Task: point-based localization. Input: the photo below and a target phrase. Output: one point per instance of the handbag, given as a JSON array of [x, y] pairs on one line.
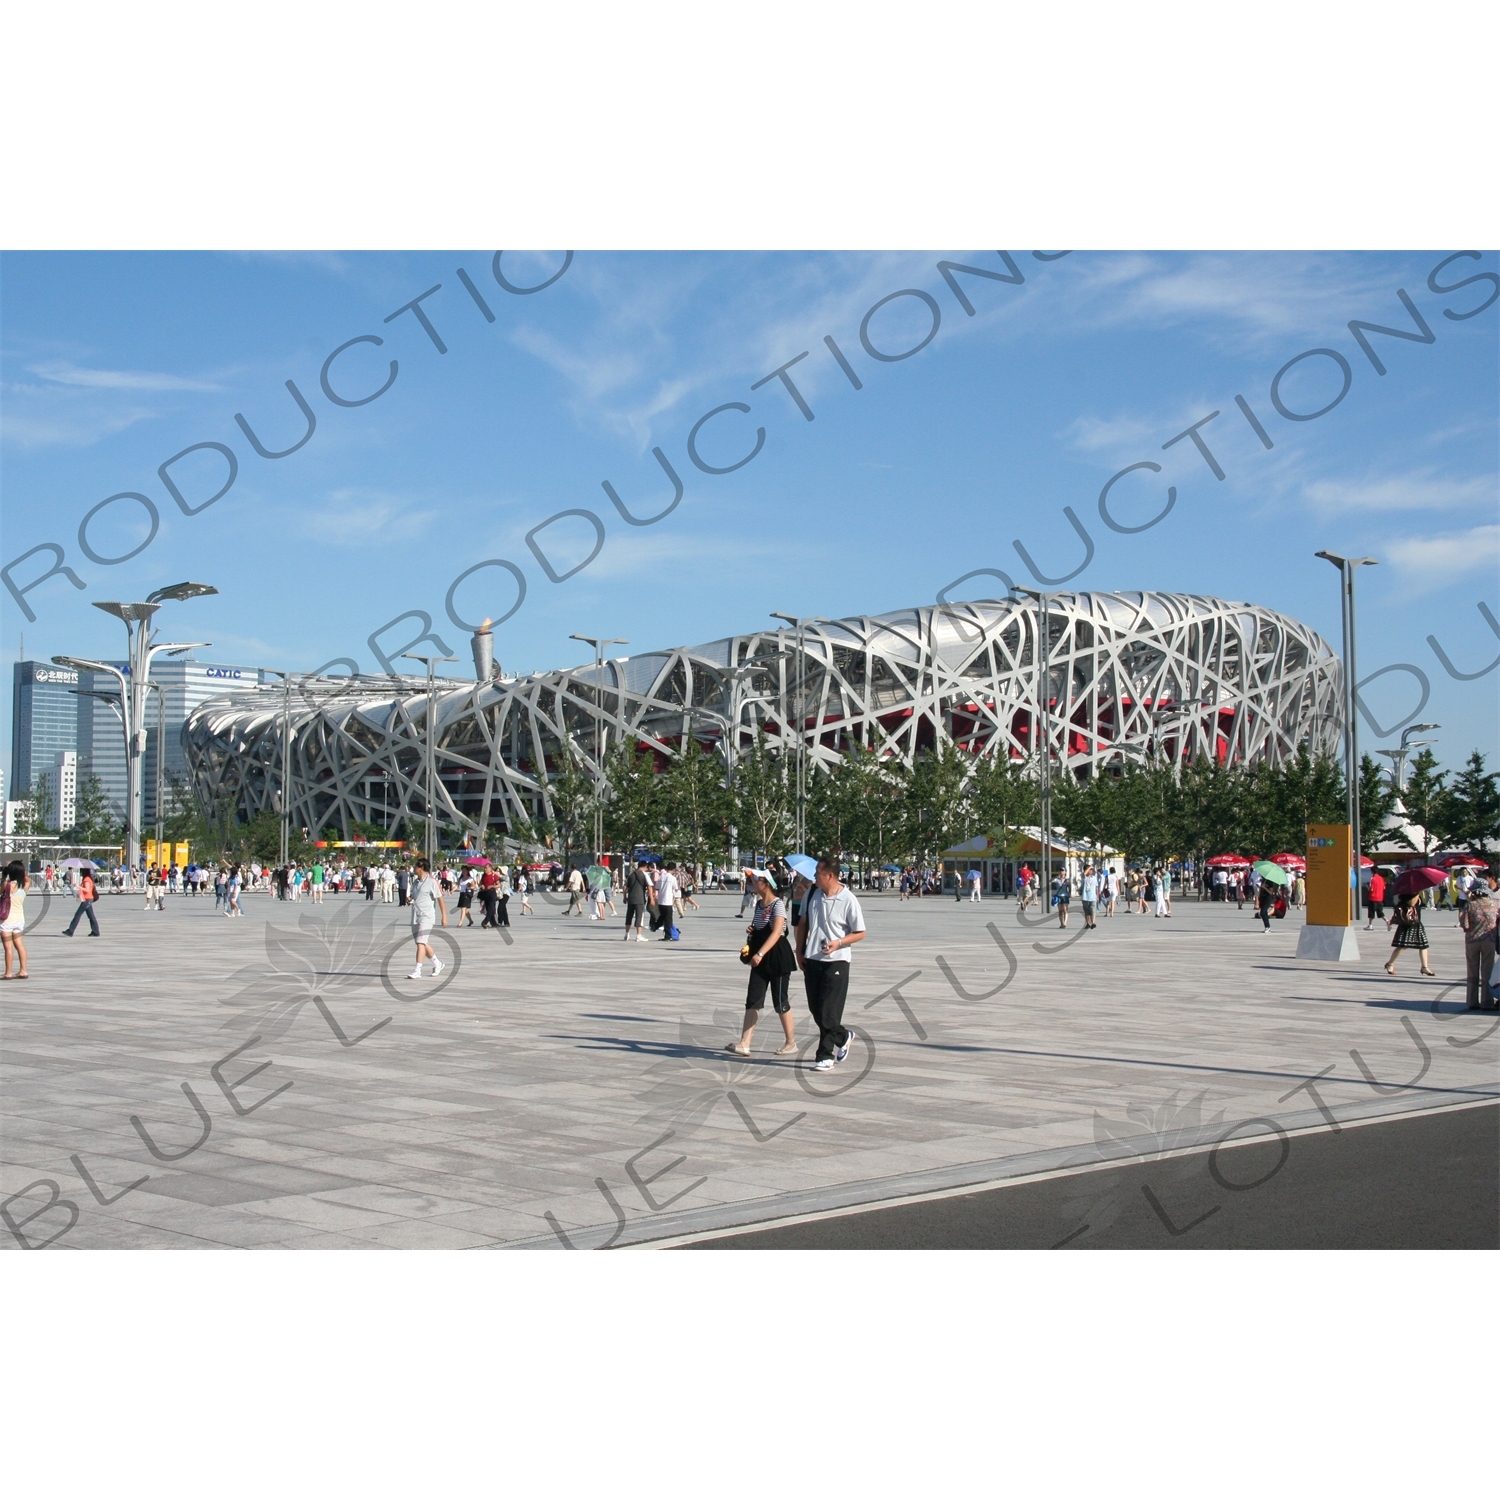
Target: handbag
[[5, 903]]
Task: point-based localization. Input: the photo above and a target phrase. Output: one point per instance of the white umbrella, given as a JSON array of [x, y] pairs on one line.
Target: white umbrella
[[79, 864]]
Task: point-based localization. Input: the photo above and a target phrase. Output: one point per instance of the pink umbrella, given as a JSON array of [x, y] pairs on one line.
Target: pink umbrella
[[477, 859], [1424, 877]]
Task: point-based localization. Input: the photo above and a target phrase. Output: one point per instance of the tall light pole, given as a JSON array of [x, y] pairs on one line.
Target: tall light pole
[[800, 624], [730, 725], [1346, 567], [1043, 659], [599, 643], [430, 662], [1399, 756], [143, 648]]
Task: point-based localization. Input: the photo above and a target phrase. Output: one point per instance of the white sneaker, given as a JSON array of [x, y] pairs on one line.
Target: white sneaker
[[437, 967], [842, 1052], [640, 937], [416, 973], [823, 1065]]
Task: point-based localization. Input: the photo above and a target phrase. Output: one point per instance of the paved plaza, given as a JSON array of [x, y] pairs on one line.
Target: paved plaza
[[193, 1081]]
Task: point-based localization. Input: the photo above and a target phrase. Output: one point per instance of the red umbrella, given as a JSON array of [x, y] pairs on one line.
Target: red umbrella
[[1290, 862], [1461, 862], [1423, 878], [1227, 862]]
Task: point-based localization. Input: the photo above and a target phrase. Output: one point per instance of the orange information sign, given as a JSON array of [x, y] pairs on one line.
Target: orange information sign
[[1329, 889]]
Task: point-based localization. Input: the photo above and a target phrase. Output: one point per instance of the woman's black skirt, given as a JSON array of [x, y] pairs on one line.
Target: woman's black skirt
[[1414, 936]]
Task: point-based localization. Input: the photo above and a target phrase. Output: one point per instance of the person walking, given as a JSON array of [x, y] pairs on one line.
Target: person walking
[[489, 897], [1088, 896], [318, 878], [1163, 892], [1478, 920], [426, 908], [747, 893], [1265, 899], [637, 899], [523, 887], [666, 904], [768, 952], [466, 899], [88, 893], [575, 892], [1410, 933], [1375, 898], [403, 885], [976, 881], [13, 883], [1060, 895], [232, 886], [830, 924]]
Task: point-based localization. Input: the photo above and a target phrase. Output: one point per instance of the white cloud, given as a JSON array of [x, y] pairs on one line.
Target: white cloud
[[364, 518], [1420, 490], [1429, 562], [64, 372]]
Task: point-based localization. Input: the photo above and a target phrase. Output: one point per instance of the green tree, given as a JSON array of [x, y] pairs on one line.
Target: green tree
[[632, 806], [1469, 814], [1002, 795], [1426, 791], [94, 820], [761, 799], [572, 792], [1377, 798], [695, 801], [937, 804]]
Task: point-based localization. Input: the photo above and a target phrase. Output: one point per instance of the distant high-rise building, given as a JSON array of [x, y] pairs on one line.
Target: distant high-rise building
[[184, 684], [62, 790], [44, 720]]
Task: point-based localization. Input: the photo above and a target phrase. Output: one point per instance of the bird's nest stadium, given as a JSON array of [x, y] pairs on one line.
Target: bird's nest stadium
[[1128, 676]]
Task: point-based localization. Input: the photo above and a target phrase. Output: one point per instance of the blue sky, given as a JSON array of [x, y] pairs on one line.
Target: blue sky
[[113, 363]]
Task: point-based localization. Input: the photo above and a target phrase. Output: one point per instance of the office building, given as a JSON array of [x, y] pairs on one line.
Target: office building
[[44, 720]]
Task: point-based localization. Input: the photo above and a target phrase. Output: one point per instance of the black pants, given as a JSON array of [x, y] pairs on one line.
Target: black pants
[[827, 989], [503, 907], [666, 916], [487, 899], [84, 906]]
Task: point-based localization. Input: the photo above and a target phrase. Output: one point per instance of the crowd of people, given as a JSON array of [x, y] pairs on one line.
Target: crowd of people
[[787, 909]]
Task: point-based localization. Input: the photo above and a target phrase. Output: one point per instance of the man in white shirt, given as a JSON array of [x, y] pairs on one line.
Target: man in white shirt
[[666, 908], [829, 925], [426, 907]]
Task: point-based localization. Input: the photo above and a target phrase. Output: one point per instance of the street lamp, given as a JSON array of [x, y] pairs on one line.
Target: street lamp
[[1346, 567], [599, 643], [1043, 658], [142, 648], [729, 725], [800, 624], [430, 662], [1398, 757]]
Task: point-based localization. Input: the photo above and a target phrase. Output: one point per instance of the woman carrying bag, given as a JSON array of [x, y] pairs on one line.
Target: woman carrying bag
[[768, 952], [1410, 933]]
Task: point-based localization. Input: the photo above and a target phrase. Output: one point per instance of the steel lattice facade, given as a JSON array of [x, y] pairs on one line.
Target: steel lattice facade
[[1130, 675]]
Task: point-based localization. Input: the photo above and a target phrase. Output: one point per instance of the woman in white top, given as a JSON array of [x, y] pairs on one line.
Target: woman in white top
[[771, 963], [13, 924]]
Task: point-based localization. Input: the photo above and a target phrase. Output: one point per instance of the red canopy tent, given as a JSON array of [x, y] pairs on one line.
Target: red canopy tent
[[1460, 862], [1227, 862]]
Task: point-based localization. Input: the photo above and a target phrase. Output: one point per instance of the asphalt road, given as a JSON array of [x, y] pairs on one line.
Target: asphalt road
[[1428, 1183]]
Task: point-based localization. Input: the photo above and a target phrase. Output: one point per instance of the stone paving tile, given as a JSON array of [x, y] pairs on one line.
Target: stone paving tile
[[422, 1234], [509, 1092]]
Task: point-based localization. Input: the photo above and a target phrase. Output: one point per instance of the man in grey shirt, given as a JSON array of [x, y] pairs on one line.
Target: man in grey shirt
[[427, 907], [830, 924]]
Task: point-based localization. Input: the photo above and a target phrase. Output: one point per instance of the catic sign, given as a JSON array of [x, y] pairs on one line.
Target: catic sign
[[1330, 891]]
